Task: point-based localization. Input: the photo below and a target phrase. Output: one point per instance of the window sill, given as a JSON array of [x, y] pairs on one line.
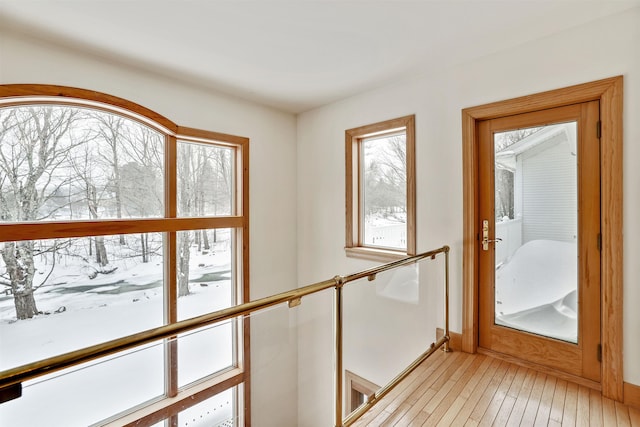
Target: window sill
[[372, 254]]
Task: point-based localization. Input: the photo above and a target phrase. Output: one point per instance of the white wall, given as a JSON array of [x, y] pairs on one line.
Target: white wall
[[272, 178], [605, 48]]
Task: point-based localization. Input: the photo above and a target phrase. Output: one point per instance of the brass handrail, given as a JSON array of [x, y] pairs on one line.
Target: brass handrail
[[87, 354], [11, 380], [15, 376]]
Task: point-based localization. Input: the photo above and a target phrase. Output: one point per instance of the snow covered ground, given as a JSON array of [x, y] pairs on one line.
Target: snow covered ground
[[110, 306], [389, 231], [536, 290]]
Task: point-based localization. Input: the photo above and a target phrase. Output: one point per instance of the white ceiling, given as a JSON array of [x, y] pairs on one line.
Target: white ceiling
[[297, 54]]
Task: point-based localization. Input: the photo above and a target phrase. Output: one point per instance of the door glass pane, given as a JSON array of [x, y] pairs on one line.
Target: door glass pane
[[536, 218]]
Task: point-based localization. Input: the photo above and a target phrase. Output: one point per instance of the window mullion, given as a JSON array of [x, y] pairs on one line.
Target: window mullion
[[171, 290]]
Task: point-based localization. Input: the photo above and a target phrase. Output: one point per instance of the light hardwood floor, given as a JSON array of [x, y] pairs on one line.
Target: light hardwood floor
[[461, 389]]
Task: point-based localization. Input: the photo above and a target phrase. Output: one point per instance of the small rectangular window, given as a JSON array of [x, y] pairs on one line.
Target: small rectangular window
[[380, 193]]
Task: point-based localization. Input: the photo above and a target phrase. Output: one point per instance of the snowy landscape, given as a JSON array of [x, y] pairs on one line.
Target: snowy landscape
[[67, 165], [536, 290], [126, 301]]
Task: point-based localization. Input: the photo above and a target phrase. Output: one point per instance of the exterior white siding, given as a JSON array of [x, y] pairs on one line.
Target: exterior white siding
[[549, 197]]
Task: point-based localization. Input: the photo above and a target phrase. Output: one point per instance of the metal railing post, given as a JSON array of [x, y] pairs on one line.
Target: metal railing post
[[446, 348], [338, 349]]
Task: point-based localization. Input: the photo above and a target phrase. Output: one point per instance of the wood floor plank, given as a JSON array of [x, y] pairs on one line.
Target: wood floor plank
[[428, 391], [489, 392], [468, 388], [474, 396], [468, 361], [622, 415], [570, 405], [461, 382], [634, 417], [583, 410], [499, 396], [449, 363], [452, 413], [544, 409], [517, 383], [396, 415], [510, 399], [609, 418], [523, 397], [595, 408], [433, 404], [379, 419], [530, 411], [557, 406], [419, 420], [451, 370], [474, 390], [502, 417], [417, 409]]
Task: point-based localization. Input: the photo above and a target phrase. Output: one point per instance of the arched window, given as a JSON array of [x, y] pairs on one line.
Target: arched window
[[114, 220]]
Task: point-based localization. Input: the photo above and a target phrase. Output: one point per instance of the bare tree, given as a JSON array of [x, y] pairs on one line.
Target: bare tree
[[221, 183], [386, 176], [204, 187], [141, 177], [34, 143], [113, 130], [187, 203], [84, 166]]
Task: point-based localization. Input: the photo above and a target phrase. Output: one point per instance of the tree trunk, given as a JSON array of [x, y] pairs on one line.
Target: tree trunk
[[101, 252], [183, 263], [92, 202], [18, 259], [145, 248], [205, 239], [113, 140], [199, 240], [25, 305]]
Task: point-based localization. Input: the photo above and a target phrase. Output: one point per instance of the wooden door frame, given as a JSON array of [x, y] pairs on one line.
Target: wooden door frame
[[610, 94]]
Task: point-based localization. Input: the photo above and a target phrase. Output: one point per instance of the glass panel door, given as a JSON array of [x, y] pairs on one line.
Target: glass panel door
[[539, 226]]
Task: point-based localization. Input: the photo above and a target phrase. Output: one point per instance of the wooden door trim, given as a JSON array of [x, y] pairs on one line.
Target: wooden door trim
[[609, 93]]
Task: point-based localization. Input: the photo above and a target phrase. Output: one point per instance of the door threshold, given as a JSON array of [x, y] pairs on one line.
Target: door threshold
[[541, 368]]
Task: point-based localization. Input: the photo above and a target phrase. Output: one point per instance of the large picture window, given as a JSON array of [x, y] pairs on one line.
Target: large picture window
[[380, 189], [113, 220]]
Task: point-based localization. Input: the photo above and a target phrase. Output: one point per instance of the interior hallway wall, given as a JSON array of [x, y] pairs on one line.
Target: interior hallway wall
[[601, 49]]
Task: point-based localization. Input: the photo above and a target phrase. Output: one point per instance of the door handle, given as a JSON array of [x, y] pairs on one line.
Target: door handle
[[485, 236]]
